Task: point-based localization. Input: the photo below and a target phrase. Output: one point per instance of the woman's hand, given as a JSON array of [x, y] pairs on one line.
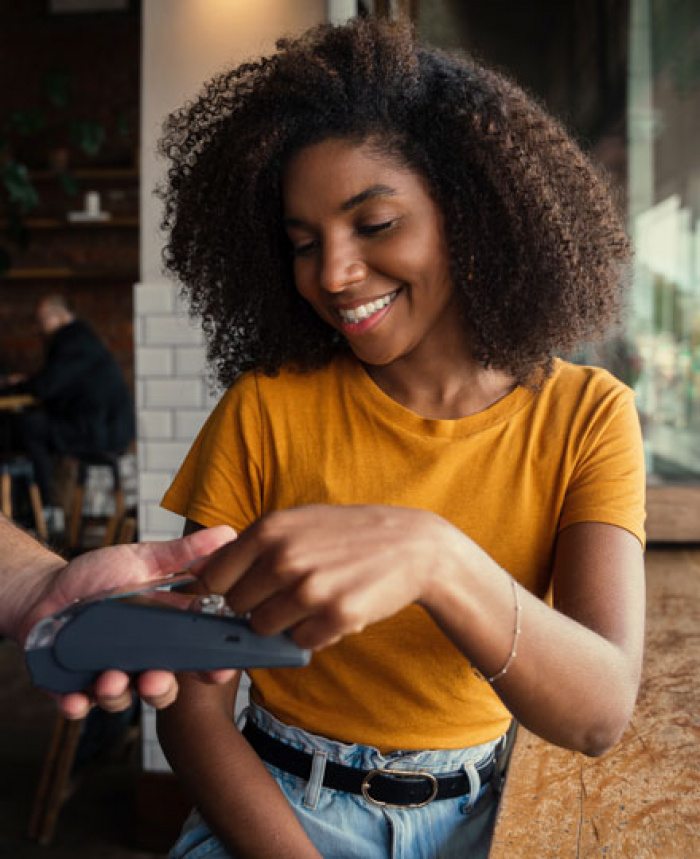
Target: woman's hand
[[326, 571]]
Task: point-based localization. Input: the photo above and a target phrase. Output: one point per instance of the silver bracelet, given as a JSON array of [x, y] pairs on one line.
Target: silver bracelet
[[516, 635]]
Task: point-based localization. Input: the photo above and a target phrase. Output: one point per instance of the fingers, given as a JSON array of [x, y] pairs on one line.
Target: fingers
[[112, 691], [171, 556], [226, 566], [270, 556], [157, 688], [74, 706]]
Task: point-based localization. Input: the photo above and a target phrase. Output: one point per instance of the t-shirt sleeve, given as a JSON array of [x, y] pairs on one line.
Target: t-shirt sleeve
[[220, 480], [608, 480]]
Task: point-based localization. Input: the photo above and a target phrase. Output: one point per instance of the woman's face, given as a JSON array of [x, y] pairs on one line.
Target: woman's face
[[370, 253]]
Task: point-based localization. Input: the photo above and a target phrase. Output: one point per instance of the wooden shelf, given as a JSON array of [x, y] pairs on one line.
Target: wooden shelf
[[119, 222], [96, 173], [69, 274]]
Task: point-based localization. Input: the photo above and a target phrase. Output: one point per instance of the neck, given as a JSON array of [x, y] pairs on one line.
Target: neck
[[466, 389]]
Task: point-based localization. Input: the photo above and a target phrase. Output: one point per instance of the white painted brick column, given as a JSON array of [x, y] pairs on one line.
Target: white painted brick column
[[172, 404], [172, 399], [184, 43]]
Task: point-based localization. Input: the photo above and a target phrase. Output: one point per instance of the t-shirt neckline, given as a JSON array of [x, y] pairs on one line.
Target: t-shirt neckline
[[378, 400]]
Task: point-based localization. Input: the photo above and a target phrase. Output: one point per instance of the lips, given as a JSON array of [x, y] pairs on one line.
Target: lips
[[362, 312]]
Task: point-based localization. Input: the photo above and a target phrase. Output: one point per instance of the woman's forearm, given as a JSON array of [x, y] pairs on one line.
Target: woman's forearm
[[569, 683], [226, 779]]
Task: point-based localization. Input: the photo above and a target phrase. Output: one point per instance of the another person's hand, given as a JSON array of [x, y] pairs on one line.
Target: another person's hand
[[113, 567]]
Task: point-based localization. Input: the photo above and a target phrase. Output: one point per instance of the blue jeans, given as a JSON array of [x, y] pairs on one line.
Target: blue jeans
[[347, 826]]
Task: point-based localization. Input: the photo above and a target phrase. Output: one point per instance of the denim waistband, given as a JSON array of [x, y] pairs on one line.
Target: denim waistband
[[368, 757]]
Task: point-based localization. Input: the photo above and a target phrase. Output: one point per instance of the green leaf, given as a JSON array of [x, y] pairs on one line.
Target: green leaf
[[18, 185], [68, 183], [56, 82], [88, 136], [28, 122]]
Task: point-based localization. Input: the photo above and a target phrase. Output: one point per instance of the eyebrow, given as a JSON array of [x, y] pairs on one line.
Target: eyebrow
[[367, 194], [352, 202]]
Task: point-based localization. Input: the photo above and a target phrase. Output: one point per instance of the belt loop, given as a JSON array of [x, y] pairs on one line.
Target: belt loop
[[242, 718], [313, 787], [474, 785]]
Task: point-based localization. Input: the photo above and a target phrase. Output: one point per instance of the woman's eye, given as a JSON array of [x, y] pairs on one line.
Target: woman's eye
[[371, 229], [303, 249]]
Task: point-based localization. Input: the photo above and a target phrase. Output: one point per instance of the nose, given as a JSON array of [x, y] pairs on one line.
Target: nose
[[341, 267]]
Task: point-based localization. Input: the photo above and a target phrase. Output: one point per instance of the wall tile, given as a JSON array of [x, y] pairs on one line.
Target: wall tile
[[155, 424], [151, 298], [170, 331], [162, 456], [182, 393], [189, 360], [152, 486], [154, 361], [188, 424], [158, 519]]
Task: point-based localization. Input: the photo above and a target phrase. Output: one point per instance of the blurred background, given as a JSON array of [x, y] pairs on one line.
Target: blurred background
[[84, 87]]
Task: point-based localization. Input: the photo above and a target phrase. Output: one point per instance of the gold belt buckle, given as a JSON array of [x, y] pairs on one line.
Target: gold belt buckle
[[366, 784]]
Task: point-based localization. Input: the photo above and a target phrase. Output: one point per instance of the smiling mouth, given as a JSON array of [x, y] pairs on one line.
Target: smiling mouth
[[354, 315]]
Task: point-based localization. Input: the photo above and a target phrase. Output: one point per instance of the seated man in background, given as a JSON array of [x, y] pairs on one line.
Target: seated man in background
[[87, 408]]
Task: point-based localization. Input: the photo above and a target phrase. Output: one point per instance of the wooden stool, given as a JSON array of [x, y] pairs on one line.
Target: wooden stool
[[75, 518], [20, 467], [55, 785], [57, 781]]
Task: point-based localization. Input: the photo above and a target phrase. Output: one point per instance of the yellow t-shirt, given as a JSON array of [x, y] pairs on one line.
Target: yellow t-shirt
[[510, 477]]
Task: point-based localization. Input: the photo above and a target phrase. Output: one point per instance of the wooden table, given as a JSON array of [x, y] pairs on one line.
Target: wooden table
[[642, 799], [17, 402]]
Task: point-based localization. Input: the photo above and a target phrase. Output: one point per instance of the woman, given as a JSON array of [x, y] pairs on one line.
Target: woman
[[387, 247]]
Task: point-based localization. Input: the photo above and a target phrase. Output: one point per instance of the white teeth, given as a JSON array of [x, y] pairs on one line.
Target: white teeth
[[356, 314]]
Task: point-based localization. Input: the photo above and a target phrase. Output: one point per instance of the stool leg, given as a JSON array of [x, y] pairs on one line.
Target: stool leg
[[6, 494], [127, 530], [55, 775], [76, 517], [38, 510], [113, 523]]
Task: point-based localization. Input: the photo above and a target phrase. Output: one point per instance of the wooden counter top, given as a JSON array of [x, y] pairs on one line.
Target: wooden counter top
[[642, 799], [17, 402]]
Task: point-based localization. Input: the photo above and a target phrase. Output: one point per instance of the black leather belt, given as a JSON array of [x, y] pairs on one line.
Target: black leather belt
[[406, 788]]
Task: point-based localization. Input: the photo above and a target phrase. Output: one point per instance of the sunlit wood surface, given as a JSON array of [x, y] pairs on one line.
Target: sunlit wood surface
[[642, 799], [16, 402]]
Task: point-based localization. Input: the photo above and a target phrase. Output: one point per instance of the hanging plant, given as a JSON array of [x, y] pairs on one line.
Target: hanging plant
[[18, 196]]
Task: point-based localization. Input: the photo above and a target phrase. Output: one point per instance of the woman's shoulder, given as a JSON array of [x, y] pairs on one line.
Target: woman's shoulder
[[578, 397], [576, 381], [292, 380], [289, 389]]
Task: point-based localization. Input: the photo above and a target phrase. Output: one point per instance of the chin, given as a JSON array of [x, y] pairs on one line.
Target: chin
[[366, 356]]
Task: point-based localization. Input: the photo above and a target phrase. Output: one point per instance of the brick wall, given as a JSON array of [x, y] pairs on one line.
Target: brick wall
[[100, 56], [171, 395], [184, 42], [173, 402], [107, 307]]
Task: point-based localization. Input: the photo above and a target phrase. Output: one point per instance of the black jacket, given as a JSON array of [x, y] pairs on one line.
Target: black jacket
[[84, 393]]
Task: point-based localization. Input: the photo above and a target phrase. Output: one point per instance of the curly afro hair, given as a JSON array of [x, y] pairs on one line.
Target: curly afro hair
[[537, 249]]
